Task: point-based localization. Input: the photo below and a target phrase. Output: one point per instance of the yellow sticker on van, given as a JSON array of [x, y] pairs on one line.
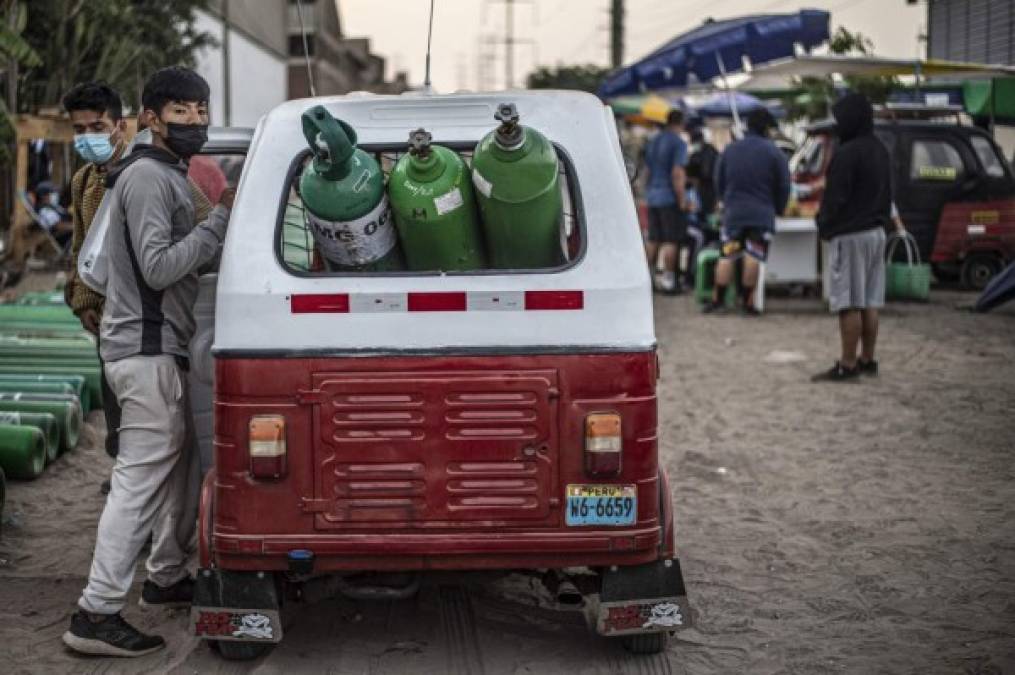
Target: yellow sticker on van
[[938, 173]]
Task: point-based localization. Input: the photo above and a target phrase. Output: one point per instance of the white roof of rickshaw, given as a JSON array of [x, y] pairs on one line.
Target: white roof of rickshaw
[[602, 302]]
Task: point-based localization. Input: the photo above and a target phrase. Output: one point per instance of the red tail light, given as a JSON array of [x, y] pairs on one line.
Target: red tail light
[[267, 446], [603, 444]]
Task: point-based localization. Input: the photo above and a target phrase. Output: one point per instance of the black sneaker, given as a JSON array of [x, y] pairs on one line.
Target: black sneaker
[[712, 307], [111, 636], [867, 367], [750, 311], [837, 373], [105, 488], [180, 594]]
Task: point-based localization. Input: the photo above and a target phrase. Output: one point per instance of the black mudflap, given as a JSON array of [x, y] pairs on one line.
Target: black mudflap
[[643, 599], [236, 606]]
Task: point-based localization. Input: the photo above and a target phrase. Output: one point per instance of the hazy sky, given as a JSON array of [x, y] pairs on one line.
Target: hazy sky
[[576, 31]]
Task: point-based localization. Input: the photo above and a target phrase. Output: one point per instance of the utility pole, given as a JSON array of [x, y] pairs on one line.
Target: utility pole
[[509, 46], [227, 95], [616, 33], [510, 40]]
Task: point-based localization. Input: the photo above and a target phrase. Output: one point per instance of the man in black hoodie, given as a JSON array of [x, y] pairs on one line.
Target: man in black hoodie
[[854, 212]]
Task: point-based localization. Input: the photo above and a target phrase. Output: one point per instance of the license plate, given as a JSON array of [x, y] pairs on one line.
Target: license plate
[[601, 505]]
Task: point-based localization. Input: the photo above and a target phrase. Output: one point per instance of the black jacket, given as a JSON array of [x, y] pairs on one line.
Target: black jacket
[[858, 188]]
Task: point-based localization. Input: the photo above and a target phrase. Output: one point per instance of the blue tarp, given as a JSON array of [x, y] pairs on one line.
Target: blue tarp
[[762, 38]]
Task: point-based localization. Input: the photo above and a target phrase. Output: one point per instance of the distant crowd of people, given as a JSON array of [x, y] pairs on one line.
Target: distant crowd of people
[[750, 184]]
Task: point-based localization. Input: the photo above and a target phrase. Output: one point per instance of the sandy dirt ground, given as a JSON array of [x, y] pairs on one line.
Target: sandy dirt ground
[[854, 528]]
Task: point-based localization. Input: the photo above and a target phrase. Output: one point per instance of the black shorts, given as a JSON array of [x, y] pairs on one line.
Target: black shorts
[[666, 225], [750, 240]]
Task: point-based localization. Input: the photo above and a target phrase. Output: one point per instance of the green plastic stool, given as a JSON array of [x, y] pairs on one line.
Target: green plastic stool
[[704, 278]]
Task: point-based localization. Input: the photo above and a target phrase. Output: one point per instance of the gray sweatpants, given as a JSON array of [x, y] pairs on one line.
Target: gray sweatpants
[[155, 483]]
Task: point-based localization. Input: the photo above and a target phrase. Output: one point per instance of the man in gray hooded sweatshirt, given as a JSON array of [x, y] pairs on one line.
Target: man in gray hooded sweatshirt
[[155, 250]]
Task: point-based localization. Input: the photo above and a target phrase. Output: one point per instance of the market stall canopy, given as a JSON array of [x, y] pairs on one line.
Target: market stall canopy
[[717, 48], [643, 109], [781, 74]]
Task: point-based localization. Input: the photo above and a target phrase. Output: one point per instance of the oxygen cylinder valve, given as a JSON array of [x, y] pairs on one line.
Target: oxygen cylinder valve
[[509, 134], [419, 143]]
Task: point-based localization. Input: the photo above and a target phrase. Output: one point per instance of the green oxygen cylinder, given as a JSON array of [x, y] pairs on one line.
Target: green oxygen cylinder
[[22, 451], [49, 388], [44, 422], [515, 173], [434, 208], [67, 414], [343, 191]]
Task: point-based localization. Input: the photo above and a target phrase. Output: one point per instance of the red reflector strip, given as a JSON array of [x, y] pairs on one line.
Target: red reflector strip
[[554, 300], [437, 302], [455, 301], [320, 303]]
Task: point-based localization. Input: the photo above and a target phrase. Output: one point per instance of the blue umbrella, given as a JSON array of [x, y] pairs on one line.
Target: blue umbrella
[[720, 105], [717, 48]]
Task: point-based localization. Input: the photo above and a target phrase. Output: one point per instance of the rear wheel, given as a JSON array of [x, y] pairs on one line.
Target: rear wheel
[[240, 651], [645, 643], [979, 269]]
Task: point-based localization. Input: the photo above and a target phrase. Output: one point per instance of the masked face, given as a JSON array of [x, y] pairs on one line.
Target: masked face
[[96, 135], [182, 126], [97, 148], [186, 140]]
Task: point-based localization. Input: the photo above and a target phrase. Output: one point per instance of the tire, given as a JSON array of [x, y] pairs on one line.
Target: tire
[[979, 269], [645, 643], [240, 651]]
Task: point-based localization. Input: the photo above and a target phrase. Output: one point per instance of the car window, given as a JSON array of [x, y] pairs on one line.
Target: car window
[[988, 156], [935, 160]]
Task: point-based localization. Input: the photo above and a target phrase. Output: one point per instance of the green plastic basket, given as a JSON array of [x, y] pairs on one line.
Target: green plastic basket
[[908, 280]]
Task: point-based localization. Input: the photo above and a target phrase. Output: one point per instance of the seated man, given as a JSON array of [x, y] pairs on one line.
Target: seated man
[[53, 217]]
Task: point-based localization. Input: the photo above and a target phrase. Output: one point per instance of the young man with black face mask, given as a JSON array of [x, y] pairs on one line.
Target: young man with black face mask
[[96, 114], [155, 250]]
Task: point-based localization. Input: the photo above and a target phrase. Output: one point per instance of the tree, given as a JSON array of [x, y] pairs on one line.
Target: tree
[[15, 51], [583, 77], [118, 41], [816, 94]]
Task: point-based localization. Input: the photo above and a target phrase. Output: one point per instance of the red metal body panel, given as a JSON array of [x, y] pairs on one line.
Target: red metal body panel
[[414, 462], [974, 227]]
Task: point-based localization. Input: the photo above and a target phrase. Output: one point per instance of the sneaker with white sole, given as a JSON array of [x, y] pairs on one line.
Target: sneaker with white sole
[[110, 635]]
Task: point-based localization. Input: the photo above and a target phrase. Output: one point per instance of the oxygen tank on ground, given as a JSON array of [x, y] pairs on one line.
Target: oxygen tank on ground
[[44, 422], [514, 171], [343, 192], [22, 451], [434, 208]]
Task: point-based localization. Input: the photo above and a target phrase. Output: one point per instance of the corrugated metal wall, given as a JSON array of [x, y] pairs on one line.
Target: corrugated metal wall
[[980, 31]]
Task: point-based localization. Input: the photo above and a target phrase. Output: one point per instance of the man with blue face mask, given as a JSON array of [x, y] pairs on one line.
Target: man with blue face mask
[[96, 113]]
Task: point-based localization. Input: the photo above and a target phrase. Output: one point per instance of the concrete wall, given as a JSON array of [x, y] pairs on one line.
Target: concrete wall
[[258, 75], [980, 31]]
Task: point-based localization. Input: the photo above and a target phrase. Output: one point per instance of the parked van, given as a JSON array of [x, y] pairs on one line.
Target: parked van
[[374, 425], [954, 191]]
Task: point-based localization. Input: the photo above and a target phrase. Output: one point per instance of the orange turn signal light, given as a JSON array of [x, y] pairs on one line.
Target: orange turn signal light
[[267, 446], [603, 444]]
